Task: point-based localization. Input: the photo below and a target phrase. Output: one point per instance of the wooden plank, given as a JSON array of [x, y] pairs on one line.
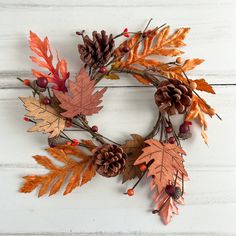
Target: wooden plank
[[211, 34], [100, 207], [8, 79], [107, 3], [126, 111]]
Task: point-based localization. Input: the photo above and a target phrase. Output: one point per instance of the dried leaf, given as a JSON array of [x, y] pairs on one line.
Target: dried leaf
[[176, 71], [158, 43], [89, 143], [133, 148], [202, 85], [79, 172], [166, 204], [168, 210], [166, 159], [42, 49], [190, 64], [112, 76], [81, 98], [196, 111], [47, 119]]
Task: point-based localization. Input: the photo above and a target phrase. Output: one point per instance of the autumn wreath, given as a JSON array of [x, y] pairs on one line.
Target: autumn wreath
[[59, 103]]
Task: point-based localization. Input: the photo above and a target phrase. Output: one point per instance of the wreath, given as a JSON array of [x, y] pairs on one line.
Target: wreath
[[59, 103]]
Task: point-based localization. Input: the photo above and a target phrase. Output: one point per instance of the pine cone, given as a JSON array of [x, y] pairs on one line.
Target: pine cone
[[172, 96], [55, 141], [97, 51], [109, 160]]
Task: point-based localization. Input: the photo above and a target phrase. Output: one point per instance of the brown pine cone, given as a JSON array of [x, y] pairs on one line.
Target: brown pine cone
[[109, 160], [56, 141], [97, 51], [172, 96]]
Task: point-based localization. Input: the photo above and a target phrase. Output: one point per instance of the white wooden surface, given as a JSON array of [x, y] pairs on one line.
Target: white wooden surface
[[100, 208]]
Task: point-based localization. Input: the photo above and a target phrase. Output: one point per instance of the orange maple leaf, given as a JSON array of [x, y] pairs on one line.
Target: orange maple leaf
[[165, 160], [81, 98], [79, 170], [57, 75]]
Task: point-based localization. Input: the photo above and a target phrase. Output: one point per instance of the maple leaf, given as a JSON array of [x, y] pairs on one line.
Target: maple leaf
[[57, 75], [47, 119], [158, 43], [166, 159], [167, 205], [133, 148], [168, 210], [81, 98], [78, 170]]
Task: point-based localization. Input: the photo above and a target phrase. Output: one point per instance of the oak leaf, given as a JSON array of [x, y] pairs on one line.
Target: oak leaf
[[133, 148], [80, 99], [79, 170], [196, 111], [176, 72], [165, 160], [57, 75], [156, 43], [47, 119], [202, 85]]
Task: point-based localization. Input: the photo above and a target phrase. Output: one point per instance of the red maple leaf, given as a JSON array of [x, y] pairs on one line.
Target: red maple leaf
[[57, 75], [81, 99]]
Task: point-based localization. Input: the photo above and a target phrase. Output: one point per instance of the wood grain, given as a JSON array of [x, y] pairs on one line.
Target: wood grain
[[212, 32]]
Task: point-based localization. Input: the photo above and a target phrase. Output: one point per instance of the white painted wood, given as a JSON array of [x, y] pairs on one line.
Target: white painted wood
[[210, 197], [126, 112], [100, 208], [212, 36]]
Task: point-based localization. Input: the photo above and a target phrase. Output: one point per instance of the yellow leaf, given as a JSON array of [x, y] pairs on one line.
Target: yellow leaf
[[112, 76]]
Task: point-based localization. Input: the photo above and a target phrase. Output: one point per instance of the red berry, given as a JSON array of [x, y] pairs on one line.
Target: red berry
[[46, 101], [125, 32], [26, 82], [102, 70], [145, 34], [171, 140], [26, 119], [184, 128], [169, 130], [75, 142], [42, 82], [188, 122], [126, 49], [170, 190], [94, 128], [68, 123], [143, 167], [130, 192]]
